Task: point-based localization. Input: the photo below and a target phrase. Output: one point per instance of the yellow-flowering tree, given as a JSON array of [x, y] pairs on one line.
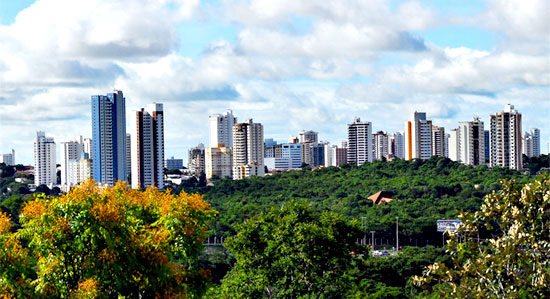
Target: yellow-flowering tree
[[96, 242], [513, 262]]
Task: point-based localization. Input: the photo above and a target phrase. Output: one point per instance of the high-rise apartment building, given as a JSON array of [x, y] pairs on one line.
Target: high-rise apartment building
[[129, 158], [380, 142], [505, 135], [339, 156], [44, 160], [248, 150], [308, 136], [307, 139], [218, 162], [453, 145], [359, 142], [396, 145], [471, 142], [221, 129], [531, 143], [487, 146], [71, 151], [148, 148], [8, 159], [283, 156], [418, 137], [196, 157], [87, 146], [317, 154], [329, 154], [439, 140], [109, 138]]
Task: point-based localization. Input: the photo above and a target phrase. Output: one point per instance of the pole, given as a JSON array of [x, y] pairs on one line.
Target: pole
[[443, 239], [372, 232], [397, 234]]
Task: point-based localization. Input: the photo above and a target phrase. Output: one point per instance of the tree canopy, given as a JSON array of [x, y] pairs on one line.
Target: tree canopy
[[106, 242], [292, 252], [506, 247]]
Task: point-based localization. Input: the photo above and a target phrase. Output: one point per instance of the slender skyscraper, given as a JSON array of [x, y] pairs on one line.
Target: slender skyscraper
[[380, 148], [439, 140], [71, 151], [248, 150], [44, 160], [531, 143], [359, 142], [396, 145], [471, 142], [418, 137], [505, 137], [148, 148], [109, 137], [221, 129]]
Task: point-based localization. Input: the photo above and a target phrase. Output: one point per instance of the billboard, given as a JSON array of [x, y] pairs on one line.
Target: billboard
[[451, 225]]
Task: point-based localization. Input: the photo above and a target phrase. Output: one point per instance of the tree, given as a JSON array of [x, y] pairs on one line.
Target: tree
[[110, 242], [291, 252], [514, 260]]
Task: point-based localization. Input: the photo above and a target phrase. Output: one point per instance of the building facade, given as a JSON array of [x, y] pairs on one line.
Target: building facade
[[173, 163], [71, 152], [8, 159], [196, 162], [109, 138], [218, 162], [453, 145], [221, 129], [248, 149], [359, 142], [148, 148], [418, 137], [283, 156], [45, 167], [531, 143], [439, 141], [396, 145], [380, 145], [471, 142], [506, 141]]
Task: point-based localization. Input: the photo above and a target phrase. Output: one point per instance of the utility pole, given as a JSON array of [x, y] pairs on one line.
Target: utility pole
[[397, 234]]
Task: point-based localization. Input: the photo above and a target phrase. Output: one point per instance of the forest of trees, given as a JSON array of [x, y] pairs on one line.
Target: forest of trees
[[290, 235]]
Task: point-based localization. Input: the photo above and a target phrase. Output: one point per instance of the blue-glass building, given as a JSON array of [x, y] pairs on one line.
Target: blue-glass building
[[109, 138]]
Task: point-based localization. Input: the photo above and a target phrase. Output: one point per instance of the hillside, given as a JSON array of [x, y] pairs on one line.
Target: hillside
[[424, 192]]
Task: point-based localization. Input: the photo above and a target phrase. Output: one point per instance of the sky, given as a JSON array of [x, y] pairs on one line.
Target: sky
[[288, 64]]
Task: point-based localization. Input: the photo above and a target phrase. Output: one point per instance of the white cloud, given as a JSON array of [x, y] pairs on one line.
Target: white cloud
[[59, 52]]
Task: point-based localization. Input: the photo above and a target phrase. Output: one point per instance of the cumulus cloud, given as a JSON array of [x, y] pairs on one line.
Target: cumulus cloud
[[293, 65]]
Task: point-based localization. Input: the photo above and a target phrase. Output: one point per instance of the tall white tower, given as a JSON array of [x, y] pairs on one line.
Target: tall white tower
[[505, 135], [359, 142], [221, 129], [44, 160]]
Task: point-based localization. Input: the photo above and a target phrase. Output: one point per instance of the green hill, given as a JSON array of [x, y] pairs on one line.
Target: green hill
[[424, 192]]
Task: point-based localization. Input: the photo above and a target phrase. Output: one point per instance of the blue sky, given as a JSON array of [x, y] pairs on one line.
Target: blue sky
[[291, 65]]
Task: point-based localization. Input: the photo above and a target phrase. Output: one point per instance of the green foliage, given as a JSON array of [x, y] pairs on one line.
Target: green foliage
[[506, 249], [106, 242], [424, 192], [535, 164], [292, 252]]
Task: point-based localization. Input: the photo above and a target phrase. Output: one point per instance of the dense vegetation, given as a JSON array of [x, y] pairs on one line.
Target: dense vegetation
[[105, 243], [424, 192], [512, 261]]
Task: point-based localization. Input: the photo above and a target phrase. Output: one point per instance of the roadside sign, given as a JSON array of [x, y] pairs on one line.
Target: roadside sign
[[450, 225]]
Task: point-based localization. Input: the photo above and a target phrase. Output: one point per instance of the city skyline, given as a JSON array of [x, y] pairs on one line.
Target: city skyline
[[290, 66]]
